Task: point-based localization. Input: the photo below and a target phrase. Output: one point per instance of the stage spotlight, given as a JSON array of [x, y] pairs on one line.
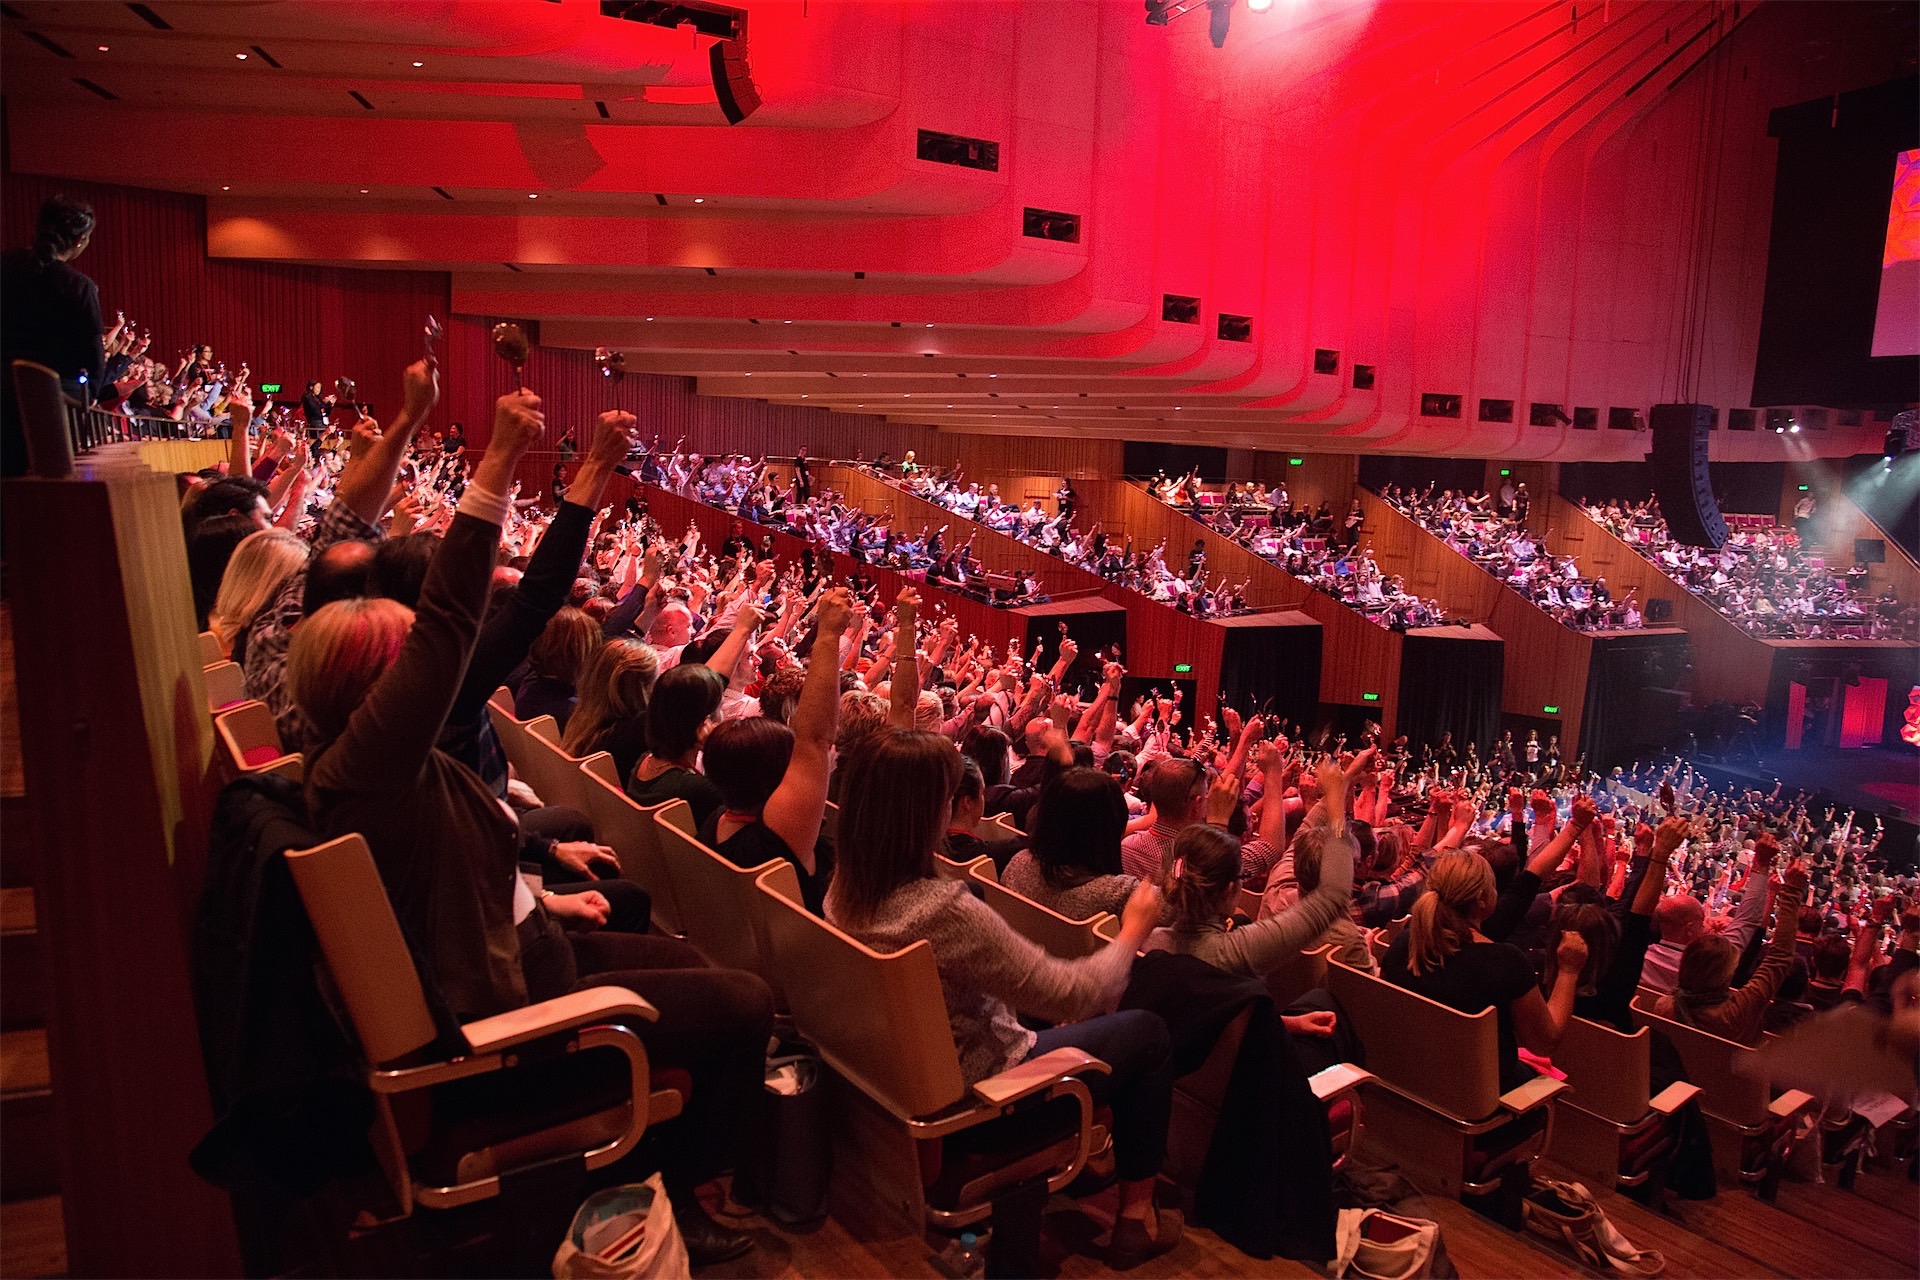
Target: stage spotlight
[[1259, 6]]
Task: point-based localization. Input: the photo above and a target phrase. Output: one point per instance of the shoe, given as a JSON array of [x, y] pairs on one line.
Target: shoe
[[707, 1241], [1132, 1245]]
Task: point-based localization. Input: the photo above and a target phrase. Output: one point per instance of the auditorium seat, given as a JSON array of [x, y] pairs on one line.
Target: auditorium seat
[[721, 911], [210, 649], [250, 742], [533, 748], [1753, 1132], [978, 868], [1611, 1126], [581, 1088], [226, 685], [1066, 938], [1439, 1110], [632, 832], [999, 827], [914, 1145]]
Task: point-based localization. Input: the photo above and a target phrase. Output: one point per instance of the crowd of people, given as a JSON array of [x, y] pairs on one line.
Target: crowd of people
[[406, 588], [1307, 542], [1491, 530], [1188, 587], [1766, 581]]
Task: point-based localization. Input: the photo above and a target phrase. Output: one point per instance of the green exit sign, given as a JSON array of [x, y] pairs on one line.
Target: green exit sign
[[1552, 711], [1506, 471], [273, 388], [1182, 668], [1296, 462], [1369, 697]]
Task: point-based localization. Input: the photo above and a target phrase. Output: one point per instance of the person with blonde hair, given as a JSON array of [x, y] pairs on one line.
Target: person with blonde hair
[[1445, 957], [611, 714], [261, 564], [557, 659]]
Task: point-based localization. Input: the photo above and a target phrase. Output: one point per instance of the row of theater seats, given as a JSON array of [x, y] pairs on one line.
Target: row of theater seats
[[909, 1137]]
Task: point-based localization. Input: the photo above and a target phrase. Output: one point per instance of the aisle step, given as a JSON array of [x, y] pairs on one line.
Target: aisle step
[[23, 973], [29, 1165]]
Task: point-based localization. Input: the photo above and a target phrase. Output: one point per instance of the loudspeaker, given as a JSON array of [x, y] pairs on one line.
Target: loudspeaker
[[1870, 550], [733, 80], [1680, 477], [1659, 609]]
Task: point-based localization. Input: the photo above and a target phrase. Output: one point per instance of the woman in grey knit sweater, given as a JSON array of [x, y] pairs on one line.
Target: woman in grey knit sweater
[[885, 892], [1206, 885]]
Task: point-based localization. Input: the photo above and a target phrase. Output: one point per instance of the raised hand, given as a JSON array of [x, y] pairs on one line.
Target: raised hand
[[1571, 954]]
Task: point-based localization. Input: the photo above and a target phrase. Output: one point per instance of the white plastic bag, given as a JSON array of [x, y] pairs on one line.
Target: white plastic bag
[[624, 1233]]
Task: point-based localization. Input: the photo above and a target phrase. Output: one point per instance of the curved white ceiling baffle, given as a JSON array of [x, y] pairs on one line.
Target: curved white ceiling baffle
[[1500, 200]]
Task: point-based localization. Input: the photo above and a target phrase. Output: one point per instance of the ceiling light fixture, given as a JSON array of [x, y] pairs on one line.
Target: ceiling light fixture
[[241, 56], [699, 199], [533, 195], [226, 188], [103, 48], [419, 64], [363, 191]]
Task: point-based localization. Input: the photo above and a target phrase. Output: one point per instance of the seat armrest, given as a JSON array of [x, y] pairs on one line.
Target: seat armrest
[[1534, 1093], [1673, 1097], [577, 1009], [1789, 1102], [1341, 1077], [1036, 1074]]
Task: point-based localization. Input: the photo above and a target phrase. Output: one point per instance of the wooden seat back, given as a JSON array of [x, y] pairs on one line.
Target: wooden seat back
[[250, 741], [42, 403], [722, 911], [1609, 1071], [1069, 939], [880, 1020], [1719, 1067], [364, 949], [533, 747], [633, 833], [1447, 1060], [980, 868], [210, 649], [226, 685], [999, 827], [1298, 974]]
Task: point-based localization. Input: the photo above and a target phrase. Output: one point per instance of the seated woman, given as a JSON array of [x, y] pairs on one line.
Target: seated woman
[[772, 779], [1705, 997], [1206, 888], [684, 708], [1073, 865], [260, 566], [611, 714], [556, 660], [886, 893], [375, 681], [1444, 956]]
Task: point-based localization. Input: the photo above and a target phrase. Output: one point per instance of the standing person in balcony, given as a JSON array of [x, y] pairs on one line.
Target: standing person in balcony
[[49, 314]]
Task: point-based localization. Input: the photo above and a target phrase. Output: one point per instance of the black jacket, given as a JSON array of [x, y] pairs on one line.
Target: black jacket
[[282, 1069], [1267, 1186]]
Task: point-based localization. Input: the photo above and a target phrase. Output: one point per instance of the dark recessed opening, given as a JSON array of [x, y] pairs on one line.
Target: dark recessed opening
[[1619, 419], [1496, 410], [1363, 377], [951, 148], [1438, 404], [1045, 224], [717, 20], [1179, 309], [1235, 328], [1325, 361], [1743, 419], [1546, 415], [1586, 419]]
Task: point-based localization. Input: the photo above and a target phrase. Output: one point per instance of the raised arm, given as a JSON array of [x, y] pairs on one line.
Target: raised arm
[[368, 480], [795, 808], [903, 692], [387, 739]]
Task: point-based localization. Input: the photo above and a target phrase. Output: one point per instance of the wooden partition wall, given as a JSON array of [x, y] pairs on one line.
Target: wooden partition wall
[[1357, 657], [1727, 662], [118, 749], [1159, 637]]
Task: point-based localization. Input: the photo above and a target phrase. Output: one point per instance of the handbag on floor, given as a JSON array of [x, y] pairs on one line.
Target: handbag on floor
[[624, 1233], [1567, 1212], [1374, 1245]]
